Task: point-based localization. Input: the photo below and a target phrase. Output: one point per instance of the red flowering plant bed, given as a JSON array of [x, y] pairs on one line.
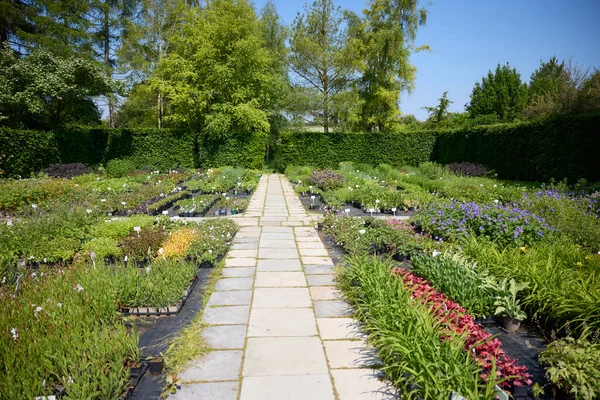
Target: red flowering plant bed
[[484, 348]]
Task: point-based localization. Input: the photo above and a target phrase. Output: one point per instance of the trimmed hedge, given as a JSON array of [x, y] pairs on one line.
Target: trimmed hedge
[[559, 147], [328, 150], [25, 152]]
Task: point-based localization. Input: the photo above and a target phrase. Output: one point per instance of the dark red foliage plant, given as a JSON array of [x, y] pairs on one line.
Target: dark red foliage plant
[[484, 348]]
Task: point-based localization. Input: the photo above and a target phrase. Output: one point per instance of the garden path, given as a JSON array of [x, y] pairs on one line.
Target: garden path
[[276, 323]]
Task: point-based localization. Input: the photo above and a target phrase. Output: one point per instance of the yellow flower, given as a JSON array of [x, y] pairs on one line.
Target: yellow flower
[[579, 264], [523, 248], [588, 257]]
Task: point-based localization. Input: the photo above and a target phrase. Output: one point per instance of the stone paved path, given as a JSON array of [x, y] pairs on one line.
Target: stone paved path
[[277, 326]]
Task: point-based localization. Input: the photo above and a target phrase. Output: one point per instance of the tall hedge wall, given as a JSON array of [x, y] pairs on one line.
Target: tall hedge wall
[[26, 152], [328, 150], [559, 147]]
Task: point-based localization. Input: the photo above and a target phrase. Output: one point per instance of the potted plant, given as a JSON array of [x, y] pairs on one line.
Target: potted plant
[[507, 304]]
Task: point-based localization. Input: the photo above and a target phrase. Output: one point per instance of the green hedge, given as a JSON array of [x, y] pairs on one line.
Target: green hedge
[[328, 150], [24, 152], [559, 147]]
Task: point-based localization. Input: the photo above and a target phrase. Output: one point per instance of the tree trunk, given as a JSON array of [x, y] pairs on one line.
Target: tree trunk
[[159, 110], [111, 104], [325, 103]]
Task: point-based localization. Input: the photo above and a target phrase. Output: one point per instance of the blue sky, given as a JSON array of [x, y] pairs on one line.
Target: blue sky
[[469, 37]]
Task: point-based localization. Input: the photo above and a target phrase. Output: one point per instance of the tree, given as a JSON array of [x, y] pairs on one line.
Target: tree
[[440, 112], [322, 56], [15, 18], [221, 77], [388, 32], [108, 20], [547, 79], [42, 90], [146, 41], [500, 93]]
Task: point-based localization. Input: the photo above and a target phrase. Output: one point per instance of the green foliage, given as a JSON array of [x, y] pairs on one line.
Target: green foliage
[[500, 93], [120, 228], [387, 34], [440, 112], [458, 280], [574, 366], [220, 77], [327, 151], [26, 152], [323, 56], [143, 245], [398, 325], [42, 91], [564, 279], [558, 147], [507, 304], [167, 201], [118, 168]]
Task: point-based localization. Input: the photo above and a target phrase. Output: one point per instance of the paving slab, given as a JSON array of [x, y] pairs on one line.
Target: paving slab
[[325, 293], [238, 272], [240, 262], [339, 329], [228, 315], [230, 298], [221, 365], [319, 269], [208, 391], [279, 253], [266, 265], [349, 354], [225, 336], [317, 260], [281, 298], [282, 244], [331, 308], [277, 236], [310, 245], [288, 387], [361, 384], [320, 280], [279, 279], [284, 356], [245, 246], [242, 253], [234, 284], [265, 322]]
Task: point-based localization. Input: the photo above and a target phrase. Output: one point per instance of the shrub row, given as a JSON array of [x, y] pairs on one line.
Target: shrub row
[[559, 147], [25, 152], [327, 150]]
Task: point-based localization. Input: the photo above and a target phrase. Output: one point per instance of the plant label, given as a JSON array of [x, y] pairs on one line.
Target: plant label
[[137, 228], [165, 212]]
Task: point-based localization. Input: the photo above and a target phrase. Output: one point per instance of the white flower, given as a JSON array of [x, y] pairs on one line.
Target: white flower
[[161, 251], [59, 305], [362, 231], [108, 189], [9, 223], [79, 288], [436, 253], [147, 270], [209, 251], [123, 203], [3, 280], [34, 205], [124, 185], [37, 310], [103, 200], [496, 201], [14, 333], [71, 380], [495, 185], [481, 184], [34, 274], [88, 211]]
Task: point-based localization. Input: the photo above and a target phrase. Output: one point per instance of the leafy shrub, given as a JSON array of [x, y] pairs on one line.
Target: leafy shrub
[[212, 240], [103, 247], [467, 169], [458, 280], [507, 225], [166, 201], [143, 246], [573, 365], [66, 170], [576, 217], [178, 242], [59, 249], [118, 168], [327, 179], [120, 228]]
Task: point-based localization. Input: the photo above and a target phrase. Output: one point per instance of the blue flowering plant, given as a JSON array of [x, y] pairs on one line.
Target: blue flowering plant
[[504, 224]]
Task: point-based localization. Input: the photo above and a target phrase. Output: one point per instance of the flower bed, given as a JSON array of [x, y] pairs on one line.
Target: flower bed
[[453, 318]]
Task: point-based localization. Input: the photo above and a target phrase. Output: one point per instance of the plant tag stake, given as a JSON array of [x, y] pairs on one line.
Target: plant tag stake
[[500, 393], [394, 211], [125, 260], [137, 229], [93, 257], [456, 396], [347, 210], [371, 210], [166, 212]]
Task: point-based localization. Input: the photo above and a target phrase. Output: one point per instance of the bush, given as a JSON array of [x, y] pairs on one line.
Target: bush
[[66, 170], [328, 150], [118, 168], [558, 147], [467, 169], [327, 179], [25, 152]]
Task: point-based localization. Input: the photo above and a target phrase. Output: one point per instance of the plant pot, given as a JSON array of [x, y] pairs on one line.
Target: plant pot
[[511, 324]]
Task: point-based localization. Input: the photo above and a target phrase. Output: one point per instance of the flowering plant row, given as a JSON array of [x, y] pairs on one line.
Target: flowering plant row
[[485, 349]]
